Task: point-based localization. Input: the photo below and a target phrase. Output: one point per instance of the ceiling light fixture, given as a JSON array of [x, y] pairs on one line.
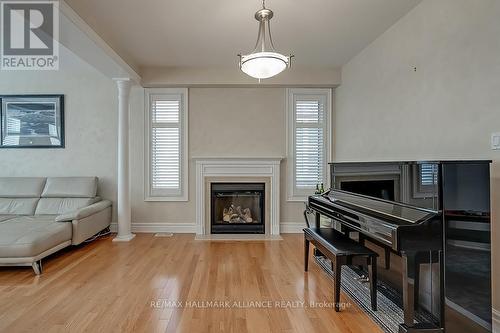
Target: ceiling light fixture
[[264, 62]]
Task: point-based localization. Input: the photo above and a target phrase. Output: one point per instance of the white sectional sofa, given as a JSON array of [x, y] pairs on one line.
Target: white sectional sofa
[[39, 216]]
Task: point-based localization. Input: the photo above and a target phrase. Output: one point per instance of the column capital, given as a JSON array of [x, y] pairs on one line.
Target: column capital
[[123, 81], [124, 84]]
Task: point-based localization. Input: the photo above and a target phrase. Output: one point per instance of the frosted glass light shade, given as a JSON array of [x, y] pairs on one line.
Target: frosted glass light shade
[[263, 65]]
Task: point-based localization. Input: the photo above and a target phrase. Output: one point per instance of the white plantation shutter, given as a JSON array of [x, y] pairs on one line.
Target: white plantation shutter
[[167, 160], [309, 143], [308, 140]]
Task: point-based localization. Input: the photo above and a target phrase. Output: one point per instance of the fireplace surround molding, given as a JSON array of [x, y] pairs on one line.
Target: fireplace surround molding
[[238, 169]]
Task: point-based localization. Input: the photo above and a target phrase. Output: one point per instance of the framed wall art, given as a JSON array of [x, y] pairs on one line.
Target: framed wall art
[[31, 121]]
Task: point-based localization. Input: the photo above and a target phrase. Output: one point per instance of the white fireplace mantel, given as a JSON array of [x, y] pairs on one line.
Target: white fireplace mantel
[[243, 167]]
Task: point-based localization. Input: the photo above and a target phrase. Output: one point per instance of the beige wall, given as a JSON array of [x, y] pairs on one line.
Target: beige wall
[[447, 108], [223, 122], [90, 124]]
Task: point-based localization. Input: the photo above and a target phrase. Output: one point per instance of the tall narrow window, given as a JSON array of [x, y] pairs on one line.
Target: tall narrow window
[[308, 112], [166, 141]]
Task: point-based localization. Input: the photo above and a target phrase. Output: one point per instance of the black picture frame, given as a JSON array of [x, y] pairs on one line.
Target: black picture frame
[[39, 121]]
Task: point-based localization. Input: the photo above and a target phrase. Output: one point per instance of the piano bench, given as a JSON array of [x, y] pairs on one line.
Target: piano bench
[[340, 249]]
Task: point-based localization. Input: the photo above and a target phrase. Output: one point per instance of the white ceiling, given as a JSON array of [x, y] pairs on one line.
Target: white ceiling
[[202, 33]]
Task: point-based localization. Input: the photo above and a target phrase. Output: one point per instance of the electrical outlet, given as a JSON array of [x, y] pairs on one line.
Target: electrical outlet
[[495, 141]]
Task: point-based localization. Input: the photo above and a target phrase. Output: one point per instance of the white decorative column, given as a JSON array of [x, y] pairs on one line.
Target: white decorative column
[[124, 210]]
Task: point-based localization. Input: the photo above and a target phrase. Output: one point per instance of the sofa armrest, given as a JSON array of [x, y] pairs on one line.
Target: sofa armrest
[[84, 212]]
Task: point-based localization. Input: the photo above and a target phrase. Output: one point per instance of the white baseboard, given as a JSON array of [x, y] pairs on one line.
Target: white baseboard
[[496, 320], [178, 228], [292, 227]]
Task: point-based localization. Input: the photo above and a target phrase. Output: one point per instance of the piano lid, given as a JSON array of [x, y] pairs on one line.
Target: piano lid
[[393, 211]]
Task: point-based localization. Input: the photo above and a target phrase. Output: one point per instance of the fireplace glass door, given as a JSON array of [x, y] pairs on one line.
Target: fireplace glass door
[[237, 208]]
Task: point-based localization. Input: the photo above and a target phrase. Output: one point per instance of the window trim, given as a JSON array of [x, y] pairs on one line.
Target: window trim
[[293, 195], [184, 160]]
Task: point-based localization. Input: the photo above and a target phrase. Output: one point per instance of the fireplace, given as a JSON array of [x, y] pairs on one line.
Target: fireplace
[[237, 208]]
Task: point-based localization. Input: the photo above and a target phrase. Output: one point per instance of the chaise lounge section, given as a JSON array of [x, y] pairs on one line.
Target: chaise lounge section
[[40, 216]]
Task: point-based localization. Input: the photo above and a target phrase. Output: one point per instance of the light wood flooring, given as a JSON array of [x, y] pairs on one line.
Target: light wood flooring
[[133, 287]]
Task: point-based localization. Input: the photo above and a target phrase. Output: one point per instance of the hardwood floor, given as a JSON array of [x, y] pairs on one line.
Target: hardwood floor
[[105, 286]]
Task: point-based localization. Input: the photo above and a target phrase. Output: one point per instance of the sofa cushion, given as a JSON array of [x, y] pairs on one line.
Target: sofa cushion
[[57, 206], [18, 206], [21, 187], [70, 187], [28, 236]]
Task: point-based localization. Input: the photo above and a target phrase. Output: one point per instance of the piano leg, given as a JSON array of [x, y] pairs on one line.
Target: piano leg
[[408, 290], [372, 274], [441, 288]]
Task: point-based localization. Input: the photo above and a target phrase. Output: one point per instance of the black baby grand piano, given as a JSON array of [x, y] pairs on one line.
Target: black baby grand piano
[[435, 216]]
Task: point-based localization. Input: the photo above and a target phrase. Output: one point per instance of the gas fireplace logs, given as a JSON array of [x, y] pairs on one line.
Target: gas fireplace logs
[[236, 215]]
